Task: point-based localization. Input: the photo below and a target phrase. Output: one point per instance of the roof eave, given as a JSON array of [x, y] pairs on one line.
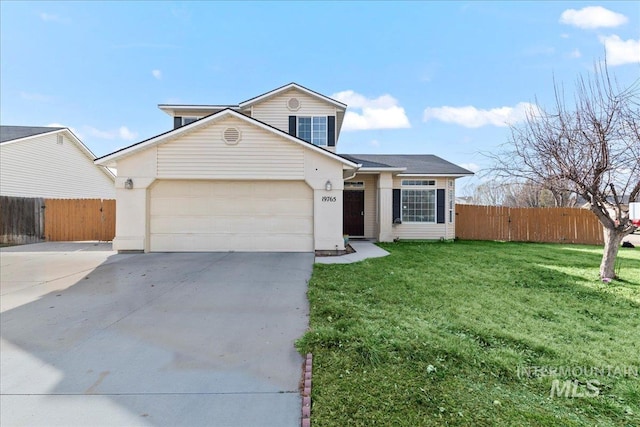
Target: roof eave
[[456, 175], [110, 159], [381, 169], [289, 86]]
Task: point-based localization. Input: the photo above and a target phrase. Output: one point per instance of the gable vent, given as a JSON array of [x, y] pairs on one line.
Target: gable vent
[[231, 136], [293, 104]]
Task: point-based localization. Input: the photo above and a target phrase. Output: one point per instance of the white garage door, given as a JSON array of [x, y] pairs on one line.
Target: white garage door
[[202, 216]]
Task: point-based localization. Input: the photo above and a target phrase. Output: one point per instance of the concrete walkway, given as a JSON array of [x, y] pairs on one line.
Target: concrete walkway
[[363, 250], [91, 337]]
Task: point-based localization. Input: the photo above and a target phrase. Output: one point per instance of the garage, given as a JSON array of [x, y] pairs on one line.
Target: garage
[[210, 216]]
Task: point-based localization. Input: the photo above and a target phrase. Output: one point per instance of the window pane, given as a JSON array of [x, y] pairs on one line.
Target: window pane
[[319, 135], [418, 205], [304, 128]]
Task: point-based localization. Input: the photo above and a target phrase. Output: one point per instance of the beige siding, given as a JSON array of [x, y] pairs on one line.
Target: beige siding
[[274, 111], [370, 203], [40, 167], [231, 215], [427, 231], [258, 155]]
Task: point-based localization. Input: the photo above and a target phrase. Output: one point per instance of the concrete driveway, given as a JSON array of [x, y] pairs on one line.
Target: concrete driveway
[[90, 337]]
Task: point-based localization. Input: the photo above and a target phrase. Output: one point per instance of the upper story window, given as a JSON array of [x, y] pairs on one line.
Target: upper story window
[[187, 120], [313, 129]]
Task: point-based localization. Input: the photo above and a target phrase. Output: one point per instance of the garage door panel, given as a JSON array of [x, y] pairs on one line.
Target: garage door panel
[[231, 215]]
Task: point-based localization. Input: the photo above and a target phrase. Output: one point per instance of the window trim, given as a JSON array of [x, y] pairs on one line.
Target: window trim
[[187, 120], [452, 198], [354, 185], [421, 189]]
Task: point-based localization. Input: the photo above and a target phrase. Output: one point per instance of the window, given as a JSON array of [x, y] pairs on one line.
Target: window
[[451, 200], [418, 205], [313, 129], [187, 120], [420, 182], [354, 185]]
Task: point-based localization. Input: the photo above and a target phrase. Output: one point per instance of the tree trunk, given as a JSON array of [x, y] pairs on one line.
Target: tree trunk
[[612, 240]]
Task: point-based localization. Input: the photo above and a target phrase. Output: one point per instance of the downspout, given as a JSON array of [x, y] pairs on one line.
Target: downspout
[[346, 178]]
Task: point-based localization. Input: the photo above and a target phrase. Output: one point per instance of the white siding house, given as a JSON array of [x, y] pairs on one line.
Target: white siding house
[[51, 163], [264, 175]]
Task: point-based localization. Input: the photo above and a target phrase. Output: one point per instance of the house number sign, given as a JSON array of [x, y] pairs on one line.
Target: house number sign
[[329, 199]]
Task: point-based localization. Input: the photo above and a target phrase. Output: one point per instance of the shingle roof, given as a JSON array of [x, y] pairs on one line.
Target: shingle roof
[[415, 163], [9, 133]]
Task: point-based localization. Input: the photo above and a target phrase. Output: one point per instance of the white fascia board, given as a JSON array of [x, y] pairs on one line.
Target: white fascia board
[[87, 152], [110, 159], [378, 170], [309, 92], [172, 109], [450, 175]]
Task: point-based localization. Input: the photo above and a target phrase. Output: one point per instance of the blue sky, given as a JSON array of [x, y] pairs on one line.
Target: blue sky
[[420, 77]]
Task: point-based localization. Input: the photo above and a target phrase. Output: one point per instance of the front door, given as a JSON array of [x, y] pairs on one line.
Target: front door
[[353, 213]]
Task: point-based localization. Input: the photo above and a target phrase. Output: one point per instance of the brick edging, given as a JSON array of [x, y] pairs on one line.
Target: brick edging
[[306, 392]]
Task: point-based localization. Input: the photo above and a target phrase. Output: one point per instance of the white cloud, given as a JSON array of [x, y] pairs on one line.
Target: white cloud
[[50, 17], [379, 113], [122, 133], [38, 97], [157, 74], [473, 117], [620, 51], [470, 166], [575, 53], [126, 134], [592, 17]]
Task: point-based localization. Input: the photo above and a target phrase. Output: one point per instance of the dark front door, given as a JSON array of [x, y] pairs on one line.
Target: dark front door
[[353, 213]]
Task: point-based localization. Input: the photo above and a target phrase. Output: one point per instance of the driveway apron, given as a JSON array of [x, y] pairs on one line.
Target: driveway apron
[[90, 337]]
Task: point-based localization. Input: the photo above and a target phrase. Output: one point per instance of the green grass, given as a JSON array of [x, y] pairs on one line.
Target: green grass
[[435, 334]]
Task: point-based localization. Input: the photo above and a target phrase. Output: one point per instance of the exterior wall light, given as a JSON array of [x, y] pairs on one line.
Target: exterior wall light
[[128, 184], [328, 186]]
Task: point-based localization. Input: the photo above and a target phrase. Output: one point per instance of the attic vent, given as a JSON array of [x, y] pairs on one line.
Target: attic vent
[[59, 139], [293, 104], [231, 136]]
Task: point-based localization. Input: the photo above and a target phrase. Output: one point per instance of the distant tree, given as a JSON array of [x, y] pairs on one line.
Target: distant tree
[[519, 194], [589, 146]]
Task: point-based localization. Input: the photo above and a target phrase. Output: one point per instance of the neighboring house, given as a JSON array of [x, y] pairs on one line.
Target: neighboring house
[[50, 162], [264, 175]]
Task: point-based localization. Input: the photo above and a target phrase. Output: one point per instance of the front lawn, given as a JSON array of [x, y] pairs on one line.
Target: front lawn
[[469, 333]]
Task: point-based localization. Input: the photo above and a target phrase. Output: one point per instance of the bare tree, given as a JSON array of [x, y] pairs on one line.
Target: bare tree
[[589, 146], [519, 194]]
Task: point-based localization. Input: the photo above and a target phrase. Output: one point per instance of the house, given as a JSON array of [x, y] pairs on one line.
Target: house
[[50, 162], [264, 175]]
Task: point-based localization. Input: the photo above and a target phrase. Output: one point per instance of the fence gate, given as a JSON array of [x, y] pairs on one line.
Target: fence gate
[[79, 219]]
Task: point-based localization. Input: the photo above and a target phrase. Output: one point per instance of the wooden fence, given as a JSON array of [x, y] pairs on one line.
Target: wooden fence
[[21, 220], [552, 225], [27, 220], [79, 219]]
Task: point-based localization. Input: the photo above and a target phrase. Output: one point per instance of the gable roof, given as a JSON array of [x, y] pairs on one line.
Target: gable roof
[[11, 133], [414, 164], [286, 87], [109, 159], [17, 134]]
